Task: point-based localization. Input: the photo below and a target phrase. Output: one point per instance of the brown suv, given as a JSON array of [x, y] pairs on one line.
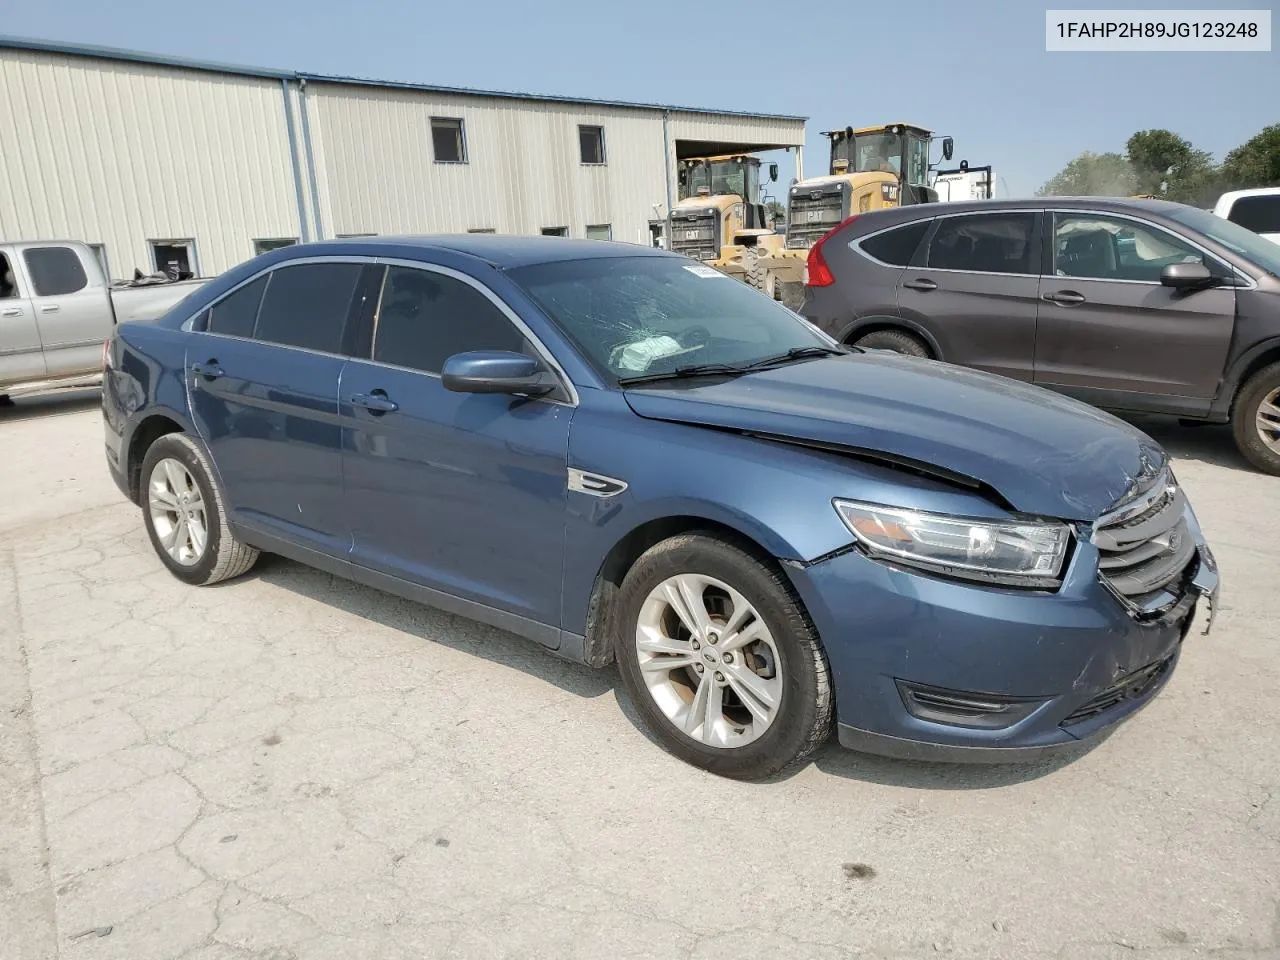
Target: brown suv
[[1131, 305]]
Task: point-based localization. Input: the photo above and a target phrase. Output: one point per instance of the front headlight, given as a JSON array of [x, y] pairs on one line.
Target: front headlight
[[1019, 553]]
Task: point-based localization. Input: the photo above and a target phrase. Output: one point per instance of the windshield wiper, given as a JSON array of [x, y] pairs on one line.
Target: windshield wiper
[[796, 353], [685, 373]]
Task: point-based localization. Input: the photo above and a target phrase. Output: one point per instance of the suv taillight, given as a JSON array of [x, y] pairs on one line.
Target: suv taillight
[[819, 272]]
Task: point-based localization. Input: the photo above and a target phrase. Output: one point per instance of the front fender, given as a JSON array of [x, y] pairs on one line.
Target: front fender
[[774, 494]]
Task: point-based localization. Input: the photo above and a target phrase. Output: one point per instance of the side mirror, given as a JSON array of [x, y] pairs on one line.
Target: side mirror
[[1186, 276], [773, 173], [948, 148], [496, 371]]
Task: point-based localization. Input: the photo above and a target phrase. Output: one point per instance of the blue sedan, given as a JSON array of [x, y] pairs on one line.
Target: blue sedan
[[629, 458]]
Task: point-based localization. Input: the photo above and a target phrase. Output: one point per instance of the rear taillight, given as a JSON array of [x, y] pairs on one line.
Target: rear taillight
[[819, 272]]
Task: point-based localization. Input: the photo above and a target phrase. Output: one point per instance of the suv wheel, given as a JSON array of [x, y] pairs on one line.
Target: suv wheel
[[185, 517], [1255, 419], [720, 658], [894, 340]]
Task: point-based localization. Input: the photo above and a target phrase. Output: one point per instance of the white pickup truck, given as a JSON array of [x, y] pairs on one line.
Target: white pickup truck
[[1257, 210], [57, 308]]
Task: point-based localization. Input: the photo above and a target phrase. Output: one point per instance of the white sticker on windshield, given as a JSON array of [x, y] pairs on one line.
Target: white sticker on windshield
[[699, 270]]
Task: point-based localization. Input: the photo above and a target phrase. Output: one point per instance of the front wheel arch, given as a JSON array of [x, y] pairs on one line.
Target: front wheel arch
[[865, 325], [597, 649]]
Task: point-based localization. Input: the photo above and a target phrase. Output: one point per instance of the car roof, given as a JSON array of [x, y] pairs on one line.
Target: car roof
[[497, 249], [877, 219], [1251, 192]]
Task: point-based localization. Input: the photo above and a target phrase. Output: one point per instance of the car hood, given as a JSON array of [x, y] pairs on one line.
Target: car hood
[[1044, 453]]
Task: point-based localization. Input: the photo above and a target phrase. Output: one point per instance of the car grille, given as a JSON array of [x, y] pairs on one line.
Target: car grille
[[1133, 687], [809, 218], [695, 235], [1146, 549]]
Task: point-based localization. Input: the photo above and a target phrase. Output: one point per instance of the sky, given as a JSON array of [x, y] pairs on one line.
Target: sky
[[974, 70]]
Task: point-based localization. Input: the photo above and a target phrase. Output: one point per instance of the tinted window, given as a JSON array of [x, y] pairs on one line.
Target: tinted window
[[307, 305], [984, 242], [1259, 214], [8, 282], [55, 271], [236, 315], [426, 317], [897, 246], [1096, 247]]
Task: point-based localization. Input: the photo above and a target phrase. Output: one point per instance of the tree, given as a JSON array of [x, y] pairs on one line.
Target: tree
[[1167, 165], [1093, 175], [1255, 163]]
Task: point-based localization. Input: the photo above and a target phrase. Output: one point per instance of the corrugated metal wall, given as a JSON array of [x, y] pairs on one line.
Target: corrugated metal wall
[[523, 172], [114, 151], [122, 153]]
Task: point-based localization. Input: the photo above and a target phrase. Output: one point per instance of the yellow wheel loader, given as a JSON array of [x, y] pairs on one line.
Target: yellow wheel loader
[[721, 219], [871, 168]]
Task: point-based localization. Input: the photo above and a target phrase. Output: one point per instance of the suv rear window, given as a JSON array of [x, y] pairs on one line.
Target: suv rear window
[[984, 243], [55, 271], [1260, 214], [306, 306], [897, 246]]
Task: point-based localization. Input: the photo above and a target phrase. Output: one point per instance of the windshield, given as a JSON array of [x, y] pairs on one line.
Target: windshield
[[1246, 243], [872, 152], [635, 316], [715, 178]]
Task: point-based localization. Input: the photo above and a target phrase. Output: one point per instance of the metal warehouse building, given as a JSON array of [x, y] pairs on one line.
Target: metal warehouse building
[[177, 165]]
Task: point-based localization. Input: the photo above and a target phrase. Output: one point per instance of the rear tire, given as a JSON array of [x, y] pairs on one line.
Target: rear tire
[[756, 706], [895, 340], [185, 517], [1255, 420]]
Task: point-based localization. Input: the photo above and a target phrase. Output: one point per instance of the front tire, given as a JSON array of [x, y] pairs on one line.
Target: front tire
[[720, 658], [895, 340], [759, 275], [1255, 420], [185, 517]]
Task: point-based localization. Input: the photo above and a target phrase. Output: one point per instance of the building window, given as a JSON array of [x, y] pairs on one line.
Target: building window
[[555, 231], [481, 230], [100, 252], [175, 258], [600, 231], [591, 141], [447, 140], [276, 243]]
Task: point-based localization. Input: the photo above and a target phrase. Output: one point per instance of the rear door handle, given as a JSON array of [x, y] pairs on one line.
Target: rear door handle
[[12, 312], [209, 370], [50, 308], [1064, 297], [376, 402], [924, 286]]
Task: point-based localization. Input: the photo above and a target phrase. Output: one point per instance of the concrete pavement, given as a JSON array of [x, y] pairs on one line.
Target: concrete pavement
[[291, 767]]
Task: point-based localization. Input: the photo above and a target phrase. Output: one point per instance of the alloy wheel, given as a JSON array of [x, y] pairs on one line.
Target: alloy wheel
[[177, 511]]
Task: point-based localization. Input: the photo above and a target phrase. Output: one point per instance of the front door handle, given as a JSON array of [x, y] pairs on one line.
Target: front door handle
[[11, 312], [209, 370], [1064, 297], [376, 402], [923, 285], [50, 308]]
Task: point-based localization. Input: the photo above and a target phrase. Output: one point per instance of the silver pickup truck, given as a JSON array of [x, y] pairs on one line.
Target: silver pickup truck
[[57, 308]]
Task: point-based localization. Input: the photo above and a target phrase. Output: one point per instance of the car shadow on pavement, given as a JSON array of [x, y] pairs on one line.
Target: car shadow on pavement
[[434, 626], [916, 775], [50, 403], [1207, 443]]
